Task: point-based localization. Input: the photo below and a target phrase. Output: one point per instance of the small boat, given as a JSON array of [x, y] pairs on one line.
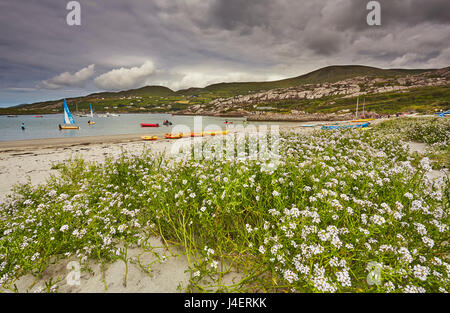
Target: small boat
[[443, 114], [346, 126], [167, 123], [149, 138], [68, 119], [363, 120], [68, 127], [39, 116], [12, 116], [173, 136], [91, 123], [228, 122], [311, 125], [149, 125], [219, 132]]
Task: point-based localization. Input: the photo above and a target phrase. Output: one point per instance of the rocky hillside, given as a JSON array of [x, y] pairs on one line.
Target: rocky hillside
[[360, 86], [327, 90]]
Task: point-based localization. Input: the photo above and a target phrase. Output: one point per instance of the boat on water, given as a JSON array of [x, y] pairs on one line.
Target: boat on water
[[149, 138], [91, 116], [12, 115], [69, 122], [310, 125], [331, 127], [149, 125], [39, 116]]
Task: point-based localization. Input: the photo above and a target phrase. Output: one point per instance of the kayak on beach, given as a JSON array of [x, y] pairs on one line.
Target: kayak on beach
[[173, 136], [220, 132], [346, 126], [363, 120], [149, 137]]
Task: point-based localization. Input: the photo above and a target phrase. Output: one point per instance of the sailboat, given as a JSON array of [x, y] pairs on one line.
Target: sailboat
[[92, 116], [68, 119]]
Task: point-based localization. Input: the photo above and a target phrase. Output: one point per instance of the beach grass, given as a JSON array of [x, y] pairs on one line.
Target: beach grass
[[341, 211]]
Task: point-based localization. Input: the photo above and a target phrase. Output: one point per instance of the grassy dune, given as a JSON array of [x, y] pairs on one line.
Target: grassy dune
[[341, 211]]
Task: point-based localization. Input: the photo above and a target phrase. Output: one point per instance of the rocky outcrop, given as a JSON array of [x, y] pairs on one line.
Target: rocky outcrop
[[348, 88]]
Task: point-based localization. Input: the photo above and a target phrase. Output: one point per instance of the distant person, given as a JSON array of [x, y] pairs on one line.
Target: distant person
[[22, 126], [59, 126]]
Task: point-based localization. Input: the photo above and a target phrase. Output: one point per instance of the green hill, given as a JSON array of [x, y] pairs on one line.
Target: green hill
[[155, 91], [163, 99], [329, 74]]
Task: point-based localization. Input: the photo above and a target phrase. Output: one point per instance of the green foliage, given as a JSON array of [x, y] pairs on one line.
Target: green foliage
[[335, 202]]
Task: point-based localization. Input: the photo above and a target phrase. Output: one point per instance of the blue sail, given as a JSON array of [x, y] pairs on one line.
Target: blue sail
[[68, 119], [92, 113]]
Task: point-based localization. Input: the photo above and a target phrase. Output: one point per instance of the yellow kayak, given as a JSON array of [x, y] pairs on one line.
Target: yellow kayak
[[363, 120], [149, 137], [173, 136], [220, 132]]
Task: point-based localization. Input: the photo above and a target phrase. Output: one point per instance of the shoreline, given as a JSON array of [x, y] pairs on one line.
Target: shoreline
[[41, 143], [27, 144]]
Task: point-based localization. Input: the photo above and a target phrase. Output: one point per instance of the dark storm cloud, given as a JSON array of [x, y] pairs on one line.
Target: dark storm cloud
[[240, 14], [197, 42]]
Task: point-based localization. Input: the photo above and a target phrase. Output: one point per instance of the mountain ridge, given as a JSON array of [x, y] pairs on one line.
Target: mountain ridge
[[164, 99]]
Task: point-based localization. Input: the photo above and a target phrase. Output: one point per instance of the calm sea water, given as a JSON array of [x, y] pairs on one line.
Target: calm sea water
[[47, 126]]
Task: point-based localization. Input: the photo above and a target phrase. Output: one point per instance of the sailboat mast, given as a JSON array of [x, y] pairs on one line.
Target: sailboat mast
[[364, 104], [357, 104]]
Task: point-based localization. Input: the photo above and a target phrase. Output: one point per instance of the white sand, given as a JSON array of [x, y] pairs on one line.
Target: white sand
[[33, 159]]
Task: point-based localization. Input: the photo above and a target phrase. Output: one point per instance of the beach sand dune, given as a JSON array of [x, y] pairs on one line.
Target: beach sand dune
[[32, 160]]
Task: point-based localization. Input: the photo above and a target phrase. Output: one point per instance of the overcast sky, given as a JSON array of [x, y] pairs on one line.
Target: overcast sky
[[124, 44]]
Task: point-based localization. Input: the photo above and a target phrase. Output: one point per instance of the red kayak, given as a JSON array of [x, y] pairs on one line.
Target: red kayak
[[149, 125]]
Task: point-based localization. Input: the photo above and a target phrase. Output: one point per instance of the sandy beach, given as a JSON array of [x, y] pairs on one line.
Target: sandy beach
[[144, 271], [21, 160], [32, 160]]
